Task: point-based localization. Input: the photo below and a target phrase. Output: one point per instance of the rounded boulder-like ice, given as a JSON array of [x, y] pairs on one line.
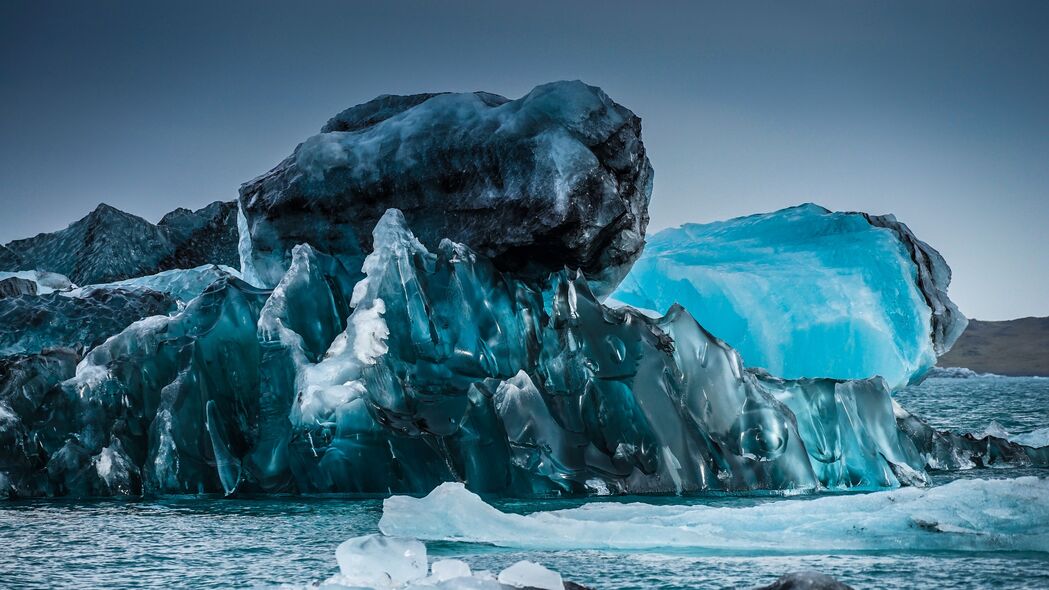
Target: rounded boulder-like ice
[[556, 178]]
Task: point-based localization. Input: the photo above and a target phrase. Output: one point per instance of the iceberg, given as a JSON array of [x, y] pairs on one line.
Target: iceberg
[[557, 177], [427, 367], [485, 379], [462, 337], [963, 515], [806, 292]]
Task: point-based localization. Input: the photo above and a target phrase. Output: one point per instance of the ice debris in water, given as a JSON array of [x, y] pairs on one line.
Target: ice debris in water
[[1035, 438], [386, 563], [957, 373], [806, 292], [436, 366], [526, 574], [806, 581], [945, 450], [963, 515], [380, 561]]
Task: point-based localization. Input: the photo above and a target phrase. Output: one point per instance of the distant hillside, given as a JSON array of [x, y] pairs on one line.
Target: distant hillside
[[1013, 347]]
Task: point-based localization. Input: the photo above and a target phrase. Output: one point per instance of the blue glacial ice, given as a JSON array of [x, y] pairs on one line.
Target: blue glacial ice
[[806, 292], [461, 337], [426, 367], [964, 515]]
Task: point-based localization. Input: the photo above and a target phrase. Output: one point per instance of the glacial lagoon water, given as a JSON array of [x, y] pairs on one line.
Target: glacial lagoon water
[[209, 542]]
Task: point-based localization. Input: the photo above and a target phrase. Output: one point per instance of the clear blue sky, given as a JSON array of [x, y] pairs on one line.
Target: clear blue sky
[[934, 111]]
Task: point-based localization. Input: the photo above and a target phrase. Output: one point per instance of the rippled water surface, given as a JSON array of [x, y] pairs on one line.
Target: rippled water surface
[[264, 542], [1020, 404]]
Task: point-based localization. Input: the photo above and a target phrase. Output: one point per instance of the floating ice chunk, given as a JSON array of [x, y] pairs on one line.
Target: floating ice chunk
[[448, 569], [377, 561], [385, 563], [967, 515], [1036, 438], [956, 373], [805, 581], [526, 574]]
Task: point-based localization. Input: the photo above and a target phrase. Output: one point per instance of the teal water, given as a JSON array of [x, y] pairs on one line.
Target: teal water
[[1020, 404], [197, 542]]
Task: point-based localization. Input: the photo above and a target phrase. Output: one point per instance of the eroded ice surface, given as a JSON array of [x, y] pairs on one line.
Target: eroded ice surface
[[969, 515], [435, 367], [805, 292], [558, 177]]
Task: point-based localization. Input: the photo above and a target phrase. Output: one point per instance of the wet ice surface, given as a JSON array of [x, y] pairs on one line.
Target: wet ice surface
[[215, 543]]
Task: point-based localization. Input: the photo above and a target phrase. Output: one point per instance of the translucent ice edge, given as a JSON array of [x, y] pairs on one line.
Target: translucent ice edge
[[964, 515], [184, 284]]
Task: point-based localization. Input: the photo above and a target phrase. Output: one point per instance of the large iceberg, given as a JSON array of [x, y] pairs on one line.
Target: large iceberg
[[806, 292], [558, 177], [435, 367], [371, 350]]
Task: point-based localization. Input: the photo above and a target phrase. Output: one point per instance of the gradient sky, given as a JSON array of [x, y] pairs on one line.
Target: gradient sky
[[935, 111]]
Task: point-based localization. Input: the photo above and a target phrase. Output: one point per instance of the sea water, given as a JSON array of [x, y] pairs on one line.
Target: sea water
[[207, 542]]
